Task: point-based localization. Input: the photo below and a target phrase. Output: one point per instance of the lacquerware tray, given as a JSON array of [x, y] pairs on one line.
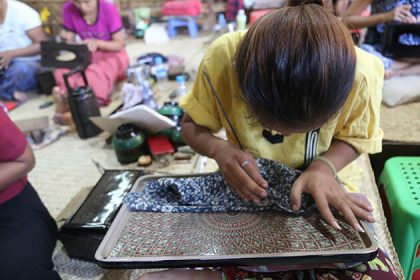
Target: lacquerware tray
[[152, 240]]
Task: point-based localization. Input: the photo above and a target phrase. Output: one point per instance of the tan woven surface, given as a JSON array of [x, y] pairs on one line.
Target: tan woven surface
[[401, 123], [369, 188]]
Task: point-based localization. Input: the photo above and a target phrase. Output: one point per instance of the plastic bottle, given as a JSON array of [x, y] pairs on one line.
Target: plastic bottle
[[241, 20], [221, 25], [161, 73], [182, 88], [137, 89]]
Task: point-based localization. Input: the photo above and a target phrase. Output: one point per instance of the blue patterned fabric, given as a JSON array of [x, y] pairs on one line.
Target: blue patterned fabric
[[20, 76], [382, 6], [388, 62], [211, 193]]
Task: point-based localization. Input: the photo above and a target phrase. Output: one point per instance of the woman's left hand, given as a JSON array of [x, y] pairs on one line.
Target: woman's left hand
[[319, 182], [92, 44], [5, 59]]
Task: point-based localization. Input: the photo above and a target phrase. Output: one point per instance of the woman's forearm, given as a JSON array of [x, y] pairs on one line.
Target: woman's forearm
[[339, 154], [356, 21], [37, 35], [30, 50], [200, 138], [116, 44], [113, 45]]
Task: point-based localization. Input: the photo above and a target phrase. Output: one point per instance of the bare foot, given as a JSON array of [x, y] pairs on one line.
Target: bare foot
[[391, 74], [62, 114], [20, 96], [60, 100], [63, 118]]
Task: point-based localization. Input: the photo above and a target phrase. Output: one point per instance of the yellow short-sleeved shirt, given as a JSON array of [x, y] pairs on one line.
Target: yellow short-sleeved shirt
[[357, 124]]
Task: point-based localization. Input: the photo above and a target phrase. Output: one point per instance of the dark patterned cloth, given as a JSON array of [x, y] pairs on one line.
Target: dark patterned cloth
[[233, 6], [380, 268], [211, 193]]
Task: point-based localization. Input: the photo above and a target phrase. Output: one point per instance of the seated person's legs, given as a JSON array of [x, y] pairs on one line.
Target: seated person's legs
[[106, 40], [62, 114], [27, 238], [104, 71], [401, 68], [18, 78]]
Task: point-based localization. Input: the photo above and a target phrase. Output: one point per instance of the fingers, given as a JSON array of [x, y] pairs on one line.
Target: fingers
[[361, 213], [91, 47], [403, 14], [361, 207], [296, 194], [347, 211], [361, 201], [251, 169], [3, 62], [323, 207], [237, 187], [241, 172], [90, 44], [343, 206], [242, 183], [328, 194]]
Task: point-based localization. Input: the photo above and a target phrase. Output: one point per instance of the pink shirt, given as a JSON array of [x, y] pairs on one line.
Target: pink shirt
[[108, 21], [12, 146]]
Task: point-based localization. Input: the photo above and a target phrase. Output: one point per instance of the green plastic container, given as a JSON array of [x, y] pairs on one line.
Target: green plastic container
[[174, 112], [401, 182], [129, 143]]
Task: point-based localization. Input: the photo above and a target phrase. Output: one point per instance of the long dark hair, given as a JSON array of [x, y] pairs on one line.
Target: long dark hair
[[296, 66]]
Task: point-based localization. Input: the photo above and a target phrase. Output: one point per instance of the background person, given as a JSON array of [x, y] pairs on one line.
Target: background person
[[28, 233], [98, 24], [382, 12], [20, 36]]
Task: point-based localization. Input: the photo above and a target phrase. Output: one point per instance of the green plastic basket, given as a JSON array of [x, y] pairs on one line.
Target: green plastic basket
[[401, 182]]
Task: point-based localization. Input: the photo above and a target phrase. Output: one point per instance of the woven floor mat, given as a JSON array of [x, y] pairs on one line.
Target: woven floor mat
[[401, 123], [72, 269]]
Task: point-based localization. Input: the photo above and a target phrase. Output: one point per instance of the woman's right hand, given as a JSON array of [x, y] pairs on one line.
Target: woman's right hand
[[5, 59], [240, 170], [92, 44], [401, 14], [67, 36]]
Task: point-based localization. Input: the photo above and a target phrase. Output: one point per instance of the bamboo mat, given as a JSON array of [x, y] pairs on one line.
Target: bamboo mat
[[401, 123]]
